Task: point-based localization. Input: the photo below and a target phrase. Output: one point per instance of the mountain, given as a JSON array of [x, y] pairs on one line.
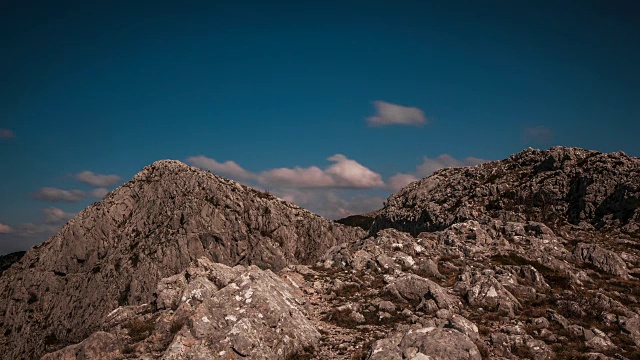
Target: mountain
[[114, 252], [533, 257]]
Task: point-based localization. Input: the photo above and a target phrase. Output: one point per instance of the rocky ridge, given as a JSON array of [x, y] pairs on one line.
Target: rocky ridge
[[469, 263], [560, 186]]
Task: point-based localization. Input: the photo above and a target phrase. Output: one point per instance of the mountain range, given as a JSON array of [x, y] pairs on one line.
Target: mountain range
[[535, 256]]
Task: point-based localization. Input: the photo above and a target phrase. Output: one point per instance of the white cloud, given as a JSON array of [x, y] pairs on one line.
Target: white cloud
[[393, 114], [99, 193], [54, 215], [7, 134], [538, 134], [55, 194], [5, 229], [228, 168], [26, 235], [429, 165], [97, 180], [344, 173], [350, 173], [398, 181]]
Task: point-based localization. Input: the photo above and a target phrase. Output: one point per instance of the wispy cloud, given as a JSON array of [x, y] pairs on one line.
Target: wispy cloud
[[98, 180], [7, 134], [54, 215], [5, 229], [398, 181], [99, 193], [393, 114], [228, 168], [26, 235], [430, 165], [344, 173], [55, 194], [538, 134]]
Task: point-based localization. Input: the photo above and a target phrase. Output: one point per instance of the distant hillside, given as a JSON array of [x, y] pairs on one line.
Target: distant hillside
[[7, 260]]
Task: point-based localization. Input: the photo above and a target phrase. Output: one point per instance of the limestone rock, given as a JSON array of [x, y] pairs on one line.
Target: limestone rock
[[416, 289]]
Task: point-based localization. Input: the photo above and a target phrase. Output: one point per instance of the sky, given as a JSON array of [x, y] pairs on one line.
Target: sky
[[331, 105]]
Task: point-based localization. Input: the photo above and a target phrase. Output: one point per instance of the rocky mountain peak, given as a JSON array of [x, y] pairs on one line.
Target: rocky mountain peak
[[115, 251], [561, 186], [161, 167]]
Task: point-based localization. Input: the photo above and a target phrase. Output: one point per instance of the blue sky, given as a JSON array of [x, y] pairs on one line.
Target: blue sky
[[323, 103]]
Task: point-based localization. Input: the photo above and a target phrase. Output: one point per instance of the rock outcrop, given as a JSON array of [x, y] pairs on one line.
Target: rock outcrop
[[209, 311], [114, 252]]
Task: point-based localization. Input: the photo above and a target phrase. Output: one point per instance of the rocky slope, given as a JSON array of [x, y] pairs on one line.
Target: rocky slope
[[115, 252], [533, 257], [207, 311]]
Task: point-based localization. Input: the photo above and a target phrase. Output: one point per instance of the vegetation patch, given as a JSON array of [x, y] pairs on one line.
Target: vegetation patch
[[140, 329]]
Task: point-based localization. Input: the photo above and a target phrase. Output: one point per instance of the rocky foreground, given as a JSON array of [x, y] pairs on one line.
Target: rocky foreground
[[536, 256]]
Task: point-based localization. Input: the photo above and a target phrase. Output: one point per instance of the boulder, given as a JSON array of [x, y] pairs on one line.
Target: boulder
[[416, 289]]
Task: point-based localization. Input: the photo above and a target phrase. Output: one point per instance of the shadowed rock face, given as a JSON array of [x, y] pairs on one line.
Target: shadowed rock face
[[114, 252], [559, 186]]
